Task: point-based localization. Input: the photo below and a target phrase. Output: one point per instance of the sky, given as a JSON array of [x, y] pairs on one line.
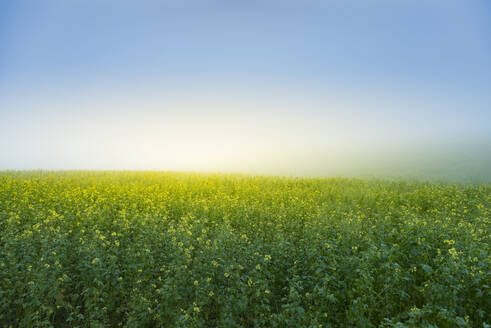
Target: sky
[[304, 87]]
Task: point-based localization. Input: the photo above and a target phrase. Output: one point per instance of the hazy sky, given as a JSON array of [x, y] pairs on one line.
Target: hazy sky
[[254, 86]]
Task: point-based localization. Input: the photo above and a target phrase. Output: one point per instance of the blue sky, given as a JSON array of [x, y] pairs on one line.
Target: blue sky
[[205, 85]]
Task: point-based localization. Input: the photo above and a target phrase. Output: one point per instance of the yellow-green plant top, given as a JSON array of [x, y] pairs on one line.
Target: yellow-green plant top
[[153, 249]]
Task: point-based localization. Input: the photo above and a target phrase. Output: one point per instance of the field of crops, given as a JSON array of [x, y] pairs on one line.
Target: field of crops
[[108, 249]]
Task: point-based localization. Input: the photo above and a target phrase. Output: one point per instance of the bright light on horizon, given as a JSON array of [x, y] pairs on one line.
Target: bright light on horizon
[[290, 88]]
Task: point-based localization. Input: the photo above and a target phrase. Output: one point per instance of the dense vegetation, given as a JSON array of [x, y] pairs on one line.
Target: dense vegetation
[[188, 250]]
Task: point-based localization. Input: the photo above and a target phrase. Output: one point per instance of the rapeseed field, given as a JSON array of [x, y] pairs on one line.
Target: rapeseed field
[[156, 249]]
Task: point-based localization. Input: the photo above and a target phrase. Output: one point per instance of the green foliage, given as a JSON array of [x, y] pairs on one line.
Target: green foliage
[[104, 249]]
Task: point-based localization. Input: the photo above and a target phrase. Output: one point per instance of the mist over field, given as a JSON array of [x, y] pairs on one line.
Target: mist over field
[[297, 138], [276, 133]]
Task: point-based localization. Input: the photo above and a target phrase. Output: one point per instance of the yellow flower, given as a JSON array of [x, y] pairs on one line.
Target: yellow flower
[[196, 309], [196, 282], [226, 274]]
